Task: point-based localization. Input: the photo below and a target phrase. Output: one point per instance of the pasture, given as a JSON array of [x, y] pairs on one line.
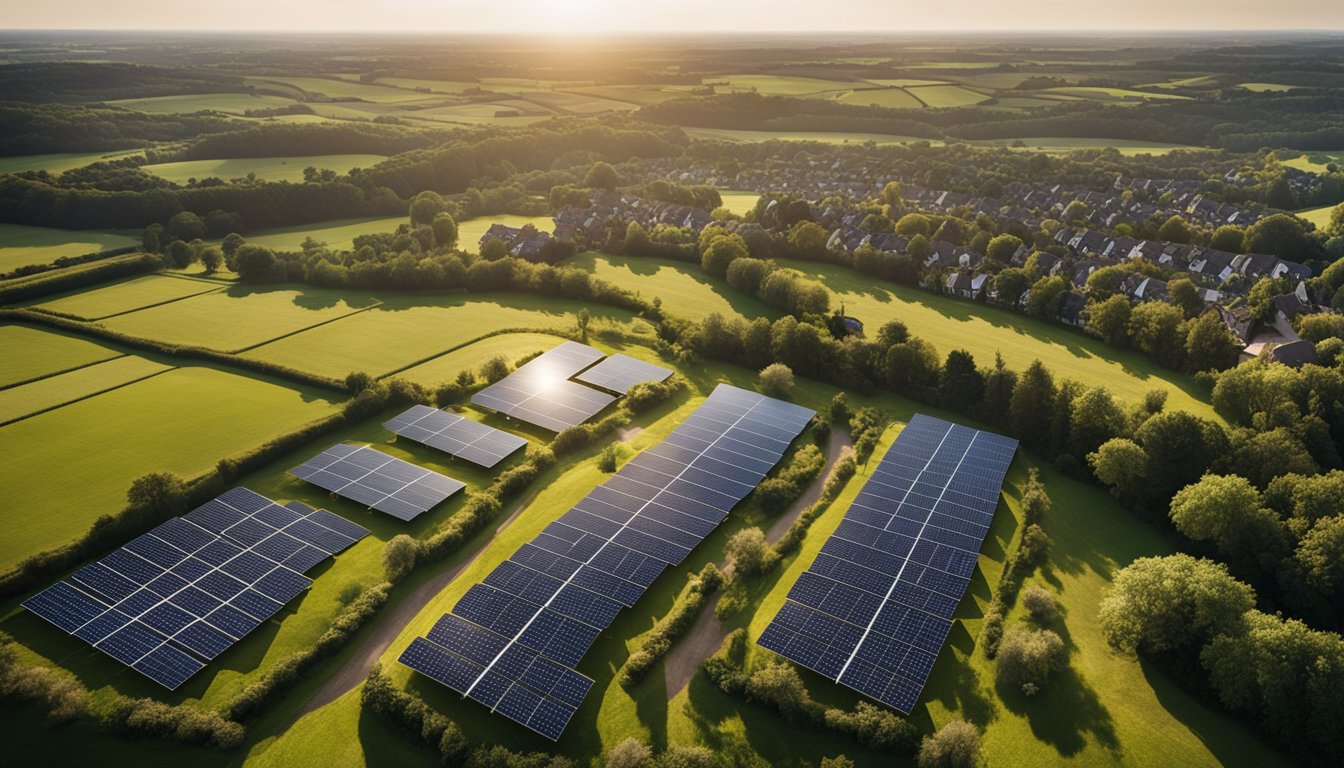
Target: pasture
[[1318, 216], [685, 291], [775, 85], [339, 234], [946, 95], [1056, 145], [576, 103], [1111, 94], [22, 246], [62, 388], [1266, 87], [125, 296], [404, 330], [31, 353], [59, 162], [315, 87], [66, 467], [1314, 162], [264, 168], [892, 98], [739, 202], [445, 368], [228, 103]]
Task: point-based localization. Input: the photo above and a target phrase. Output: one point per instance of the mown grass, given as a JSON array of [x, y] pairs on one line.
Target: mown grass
[[265, 168], [66, 467], [683, 288], [32, 352], [25, 399], [739, 202], [445, 368], [125, 296], [230, 103], [22, 246]]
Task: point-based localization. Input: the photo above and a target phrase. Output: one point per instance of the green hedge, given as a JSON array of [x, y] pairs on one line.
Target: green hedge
[[658, 642], [62, 280]]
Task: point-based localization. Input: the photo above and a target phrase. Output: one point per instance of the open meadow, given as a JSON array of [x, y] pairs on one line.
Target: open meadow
[[264, 168], [22, 246], [125, 296]]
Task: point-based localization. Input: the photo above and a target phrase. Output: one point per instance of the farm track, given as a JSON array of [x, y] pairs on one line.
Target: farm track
[[708, 633], [357, 667]]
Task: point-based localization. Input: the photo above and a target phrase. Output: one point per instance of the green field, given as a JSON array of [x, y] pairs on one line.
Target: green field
[[22, 246], [1110, 94], [1318, 216], [825, 137], [437, 86], [903, 82], [572, 102], [403, 330], [26, 399], [339, 234], [238, 317], [1314, 162], [59, 162], [947, 95], [1266, 87], [739, 202], [775, 85], [125, 296], [66, 467], [892, 98], [265, 168], [345, 89], [31, 353], [685, 291], [445, 368], [229, 103]]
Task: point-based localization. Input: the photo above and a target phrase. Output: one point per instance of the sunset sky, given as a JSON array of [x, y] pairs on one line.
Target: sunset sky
[[723, 16]]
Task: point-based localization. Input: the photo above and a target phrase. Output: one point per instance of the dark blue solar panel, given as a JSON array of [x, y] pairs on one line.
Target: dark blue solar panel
[[167, 666], [65, 606]]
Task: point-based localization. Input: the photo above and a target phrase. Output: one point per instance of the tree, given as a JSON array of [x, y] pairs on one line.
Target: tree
[[157, 491], [1040, 603], [1209, 345], [1033, 398], [1282, 235], [999, 385], [779, 686], [1028, 657], [186, 226], [151, 240], [180, 254], [494, 249], [747, 274], [776, 381], [1180, 448], [1075, 212], [912, 224], [630, 753], [212, 258], [1175, 230], [809, 239], [444, 227], [911, 365], [494, 369], [1094, 418], [1229, 238], [1182, 294], [1227, 510], [955, 745], [1155, 329], [255, 264], [721, 253], [892, 194], [1002, 248], [601, 176], [232, 242], [1121, 465], [357, 381], [1045, 296], [1262, 456], [424, 207], [1171, 603], [961, 384], [1010, 284], [399, 557], [892, 332], [1320, 555], [749, 553], [1336, 226], [1321, 326]]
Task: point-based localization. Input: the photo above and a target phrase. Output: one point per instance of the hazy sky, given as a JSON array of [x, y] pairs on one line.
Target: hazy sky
[[605, 16]]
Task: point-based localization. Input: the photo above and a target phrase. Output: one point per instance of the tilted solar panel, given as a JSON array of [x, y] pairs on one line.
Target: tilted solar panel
[[178, 596], [873, 610], [551, 599], [540, 392], [456, 435], [378, 481], [619, 373]]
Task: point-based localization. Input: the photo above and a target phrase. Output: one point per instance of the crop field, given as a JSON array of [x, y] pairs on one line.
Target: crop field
[[402, 331], [739, 202], [265, 168], [950, 323], [238, 317], [102, 443], [635, 94], [229, 103], [775, 85], [825, 137], [684, 290], [436, 86], [43, 394], [126, 296], [445, 368], [577, 103], [22, 246], [58, 163], [947, 95], [1111, 94], [893, 98], [345, 89], [31, 353]]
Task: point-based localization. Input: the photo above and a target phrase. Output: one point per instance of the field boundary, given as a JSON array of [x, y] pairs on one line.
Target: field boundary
[[71, 369], [468, 343], [103, 391], [80, 318], [305, 329]]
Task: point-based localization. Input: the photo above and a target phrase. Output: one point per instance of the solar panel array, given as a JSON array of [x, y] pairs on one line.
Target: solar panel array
[[874, 608], [540, 391], [513, 640], [179, 596], [456, 435], [378, 481], [619, 373]]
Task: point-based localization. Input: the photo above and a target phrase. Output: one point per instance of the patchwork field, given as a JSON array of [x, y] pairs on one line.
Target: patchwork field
[[58, 163], [125, 296], [774, 84], [345, 89], [265, 168], [22, 246], [68, 466], [577, 103], [404, 330], [337, 234], [1111, 94], [947, 95], [893, 98], [436, 86], [230, 103], [40, 395], [1266, 87], [30, 353]]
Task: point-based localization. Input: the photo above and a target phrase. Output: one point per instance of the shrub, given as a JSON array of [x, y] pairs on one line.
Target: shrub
[[494, 369], [749, 553], [1027, 658], [606, 461], [629, 753], [1040, 603], [776, 380], [399, 556], [673, 625], [955, 745]]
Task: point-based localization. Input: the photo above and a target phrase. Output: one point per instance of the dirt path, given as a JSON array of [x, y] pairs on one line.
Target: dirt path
[[357, 668], [707, 633]]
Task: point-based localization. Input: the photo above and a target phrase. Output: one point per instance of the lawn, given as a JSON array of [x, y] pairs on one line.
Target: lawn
[[230, 103], [126, 296], [825, 137], [1318, 216], [893, 98], [21, 245], [685, 290], [31, 353], [947, 95], [445, 368], [405, 330], [26, 399], [340, 233], [65, 468], [239, 317], [265, 168], [59, 162], [739, 202]]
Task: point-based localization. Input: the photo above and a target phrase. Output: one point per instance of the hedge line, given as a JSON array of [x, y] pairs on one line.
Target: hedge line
[[1030, 551], [60, 281], [843, 470], [67, 261], [673, 625]]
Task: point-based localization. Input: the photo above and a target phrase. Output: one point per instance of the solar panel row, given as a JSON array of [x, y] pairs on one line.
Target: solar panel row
[[183, 593], [543, 607], [456, 435], [619, 373], [873, 610], [385, 483], [540, 391]]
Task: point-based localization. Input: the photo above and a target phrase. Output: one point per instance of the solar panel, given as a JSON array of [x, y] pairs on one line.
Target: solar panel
[[178, 596], [873, 610], [540, 392], [513, 640], [378, 481], [456, 435], [619, 373]]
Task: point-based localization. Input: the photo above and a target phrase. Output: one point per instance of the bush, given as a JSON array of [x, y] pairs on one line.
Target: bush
[[659, 641], [629, 753], [606, 461], [748, 552], [399, 556], [776, 380], [645, 395], [955, 745], [1040, 603], [1027, 658]]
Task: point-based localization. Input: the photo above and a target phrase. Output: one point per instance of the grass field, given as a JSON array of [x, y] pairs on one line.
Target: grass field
[[684, 290], [238, 317], [229, 103], [577, 103], [1110, 94], [22, 246], [1266, 87], [445, 368], [66, 467], [739, 202], [1318, 216], [26, 399], [58, 163], [775, 85], [892, 98], [265, 168], [404, 330], [903, 82], [30, 353], [125, 296], [337, 234], [436, 86], [825, 137], [947, 95], [1315, 162], [345, 89], [470, 231]]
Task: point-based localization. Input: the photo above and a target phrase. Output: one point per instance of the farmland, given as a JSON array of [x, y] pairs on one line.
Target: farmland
[[264, 168], [31, 353], [22, 246], [126, 296], [58, 163], [228, 103], [59, 389], [337, 234], [682, 289], [825, 137]]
